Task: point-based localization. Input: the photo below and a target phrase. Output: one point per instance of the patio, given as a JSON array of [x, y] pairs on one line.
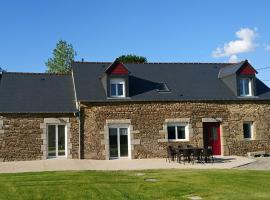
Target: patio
[[227, 162]]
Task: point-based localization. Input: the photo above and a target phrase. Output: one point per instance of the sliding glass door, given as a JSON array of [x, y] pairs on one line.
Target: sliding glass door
[[56, 141], [119, 142]]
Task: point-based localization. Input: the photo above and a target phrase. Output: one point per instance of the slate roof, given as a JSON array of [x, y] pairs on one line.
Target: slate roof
[[186, 82], [36, 93]]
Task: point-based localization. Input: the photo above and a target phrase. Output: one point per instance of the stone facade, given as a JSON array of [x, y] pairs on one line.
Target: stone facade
[[148, 122], [22, 136]]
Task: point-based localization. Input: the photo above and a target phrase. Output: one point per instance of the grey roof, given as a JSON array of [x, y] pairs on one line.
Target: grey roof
[[185, 81], [36, 93]]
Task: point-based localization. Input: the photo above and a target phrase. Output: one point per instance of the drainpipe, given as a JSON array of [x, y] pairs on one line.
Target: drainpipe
[[79, 119]]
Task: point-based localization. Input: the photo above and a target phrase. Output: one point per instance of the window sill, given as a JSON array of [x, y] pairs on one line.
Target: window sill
[[248, 139], [178, 140], [248, 97]]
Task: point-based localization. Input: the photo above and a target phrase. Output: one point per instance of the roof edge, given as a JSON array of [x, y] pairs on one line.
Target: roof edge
[[36, 73], [93, 62]]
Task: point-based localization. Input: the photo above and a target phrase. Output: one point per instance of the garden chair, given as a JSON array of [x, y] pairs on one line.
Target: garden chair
[[197, 155], [171, 154], [208, 155]]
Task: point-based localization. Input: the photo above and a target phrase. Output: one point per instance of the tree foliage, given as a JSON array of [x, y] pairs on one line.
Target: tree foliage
[[132, 59], [63, 55], [2, 70]]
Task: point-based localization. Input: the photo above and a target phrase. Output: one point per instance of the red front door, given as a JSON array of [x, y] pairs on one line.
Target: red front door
[[212, 137]]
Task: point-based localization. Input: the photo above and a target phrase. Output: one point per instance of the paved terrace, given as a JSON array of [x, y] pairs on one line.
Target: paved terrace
[[227, 162]]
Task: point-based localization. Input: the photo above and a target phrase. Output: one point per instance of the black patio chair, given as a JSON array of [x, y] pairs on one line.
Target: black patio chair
[[197, 155], [186, 154], [179, 154], [208, 155], [171, 154]]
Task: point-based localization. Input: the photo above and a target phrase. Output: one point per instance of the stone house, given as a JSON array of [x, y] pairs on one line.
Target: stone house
[[114, 110]]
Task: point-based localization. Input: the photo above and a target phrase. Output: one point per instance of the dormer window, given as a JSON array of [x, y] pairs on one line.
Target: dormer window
[[245, 86], [117, 88]]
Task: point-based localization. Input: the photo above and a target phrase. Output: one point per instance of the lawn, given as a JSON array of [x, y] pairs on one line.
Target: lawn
[[170, 184]]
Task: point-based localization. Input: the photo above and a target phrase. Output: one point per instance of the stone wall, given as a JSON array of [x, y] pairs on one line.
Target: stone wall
[[148, 120], [21, 136]]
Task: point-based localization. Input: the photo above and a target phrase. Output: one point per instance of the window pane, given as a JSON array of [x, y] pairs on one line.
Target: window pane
[[181, 132], [61, 140], [120, 89], [213, 134], [171, 132], [246, 86], [51, 140], [241, 87], [247, 130], [113, 142], [123, 142], [113, 89]]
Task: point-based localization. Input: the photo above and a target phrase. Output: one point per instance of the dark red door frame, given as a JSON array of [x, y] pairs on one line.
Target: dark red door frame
[[211, 136]]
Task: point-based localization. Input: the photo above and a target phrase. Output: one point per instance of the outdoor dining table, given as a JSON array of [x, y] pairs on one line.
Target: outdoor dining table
[[190, 148]]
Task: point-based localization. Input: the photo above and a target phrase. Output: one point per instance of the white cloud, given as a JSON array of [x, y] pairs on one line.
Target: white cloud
[[245, 43], [267, 47], [233, 59]]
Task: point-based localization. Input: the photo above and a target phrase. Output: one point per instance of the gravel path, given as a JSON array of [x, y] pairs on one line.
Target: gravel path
[[260, 164]]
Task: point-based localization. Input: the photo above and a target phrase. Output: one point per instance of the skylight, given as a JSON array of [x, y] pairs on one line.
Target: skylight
[[162, 87]]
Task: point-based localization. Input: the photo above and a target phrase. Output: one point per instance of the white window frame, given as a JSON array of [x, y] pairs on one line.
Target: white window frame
[[186, 125], [118, 126], [118, 81], [242, 85], [251, 130], [56, 141]]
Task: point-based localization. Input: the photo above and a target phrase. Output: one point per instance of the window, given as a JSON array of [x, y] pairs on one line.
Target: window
[[56, 140], [119, 145], [177, 132], [162, 87], [117, 87], [245, 87], [248, 130]]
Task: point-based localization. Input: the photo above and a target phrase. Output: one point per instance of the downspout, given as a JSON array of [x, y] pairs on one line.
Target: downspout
[[78, 114], [79, 119]]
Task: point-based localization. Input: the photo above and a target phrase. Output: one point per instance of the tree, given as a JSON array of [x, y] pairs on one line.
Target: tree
[[132, 59], [63, 55], [2, 70]]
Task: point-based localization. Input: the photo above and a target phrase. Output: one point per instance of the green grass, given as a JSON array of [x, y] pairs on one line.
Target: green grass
[[171, 184]]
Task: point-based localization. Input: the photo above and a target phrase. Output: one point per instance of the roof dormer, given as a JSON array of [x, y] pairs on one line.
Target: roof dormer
[[116, 80], [240, 78]]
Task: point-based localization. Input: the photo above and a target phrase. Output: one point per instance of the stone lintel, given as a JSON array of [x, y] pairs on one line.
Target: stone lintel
[[212, 119], [56, 120], [118, 121], [178, 120]]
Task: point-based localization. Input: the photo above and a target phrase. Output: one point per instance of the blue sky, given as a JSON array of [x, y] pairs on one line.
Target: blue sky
[[161, 30]]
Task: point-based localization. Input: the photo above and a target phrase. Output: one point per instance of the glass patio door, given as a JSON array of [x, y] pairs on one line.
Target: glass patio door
[[56, 141], [118, 141]]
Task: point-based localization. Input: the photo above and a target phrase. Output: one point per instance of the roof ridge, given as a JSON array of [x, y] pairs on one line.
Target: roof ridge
[[226, 63], [36, 73]]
